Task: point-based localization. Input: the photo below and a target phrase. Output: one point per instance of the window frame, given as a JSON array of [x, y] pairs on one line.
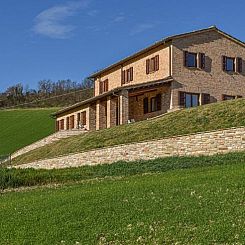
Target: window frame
[[186, 61], [228, 97], [127, 75], [157, 103], [182, 99], [233, 64], [152, 64], [103, 86]]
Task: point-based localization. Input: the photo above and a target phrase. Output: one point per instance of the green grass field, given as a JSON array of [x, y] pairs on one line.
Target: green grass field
[[210, 117], [22, 127], [14, 178], [201, 205]]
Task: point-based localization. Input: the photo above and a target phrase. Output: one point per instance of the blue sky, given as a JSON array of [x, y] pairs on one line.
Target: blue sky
[[61, 39]]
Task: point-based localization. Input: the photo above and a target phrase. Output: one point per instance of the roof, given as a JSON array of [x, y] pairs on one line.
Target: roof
[[166, 41], [113, 91]]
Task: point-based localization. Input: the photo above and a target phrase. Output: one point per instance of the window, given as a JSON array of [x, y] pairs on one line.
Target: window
[[83, 116], [188, 99], [194, 60], [153, 104], [127, 75], [72, 122], [78, 120], [156, 103], [228, 97], [228, 64], [152, 65], [67, 123], [190, 59], [62, 124], [104, 86], [145, 104]]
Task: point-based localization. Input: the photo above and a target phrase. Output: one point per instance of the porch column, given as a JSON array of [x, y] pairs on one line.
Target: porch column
[[91, 119], [101, 114], [123, 107], [174, 99], [111, 111]]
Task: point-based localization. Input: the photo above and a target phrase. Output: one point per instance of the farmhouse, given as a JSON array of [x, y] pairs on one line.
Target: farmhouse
[[181, 71]]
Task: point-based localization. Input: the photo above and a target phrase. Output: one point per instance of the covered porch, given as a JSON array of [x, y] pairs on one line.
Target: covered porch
[[133, 103], [127, 104]]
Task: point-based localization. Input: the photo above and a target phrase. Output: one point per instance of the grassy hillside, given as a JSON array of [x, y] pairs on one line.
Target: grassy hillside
[[210, 117], [22, 127], [15, 178], [203, 205]]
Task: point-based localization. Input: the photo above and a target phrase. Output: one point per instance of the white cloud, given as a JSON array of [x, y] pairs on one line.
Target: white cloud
[[50, 22], [141, 28], [93, 13], [119, 18]]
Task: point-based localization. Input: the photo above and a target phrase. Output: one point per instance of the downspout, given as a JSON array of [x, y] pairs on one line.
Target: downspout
[[171, 73]]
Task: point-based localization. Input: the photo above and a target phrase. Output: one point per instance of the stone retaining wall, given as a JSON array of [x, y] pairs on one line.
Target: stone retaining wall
[[207, 143], [47, 140]]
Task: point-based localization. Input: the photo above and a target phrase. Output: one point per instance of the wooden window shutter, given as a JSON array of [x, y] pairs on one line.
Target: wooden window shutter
[[182, 98], [147, 66], [157, 63], [146, 105], [72, 122], [67, 123], [131, 74], [123, 77], [101, 87], [62, 126], [239, 65], [205, 99], [152, 64], [185, 58], [201, 61], [159, 102], [106, 85], [84, 120], [224, 63]]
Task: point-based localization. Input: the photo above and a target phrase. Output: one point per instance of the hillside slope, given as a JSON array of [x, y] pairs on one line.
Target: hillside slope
[[22, 127], [210, 117]]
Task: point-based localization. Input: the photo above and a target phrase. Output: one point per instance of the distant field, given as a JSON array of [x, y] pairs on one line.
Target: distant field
[[22, 127], [203, 205], [215, 116]]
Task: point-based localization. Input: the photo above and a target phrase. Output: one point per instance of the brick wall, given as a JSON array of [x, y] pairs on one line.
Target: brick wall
[[207, 143], [212, 79], [139, 69]]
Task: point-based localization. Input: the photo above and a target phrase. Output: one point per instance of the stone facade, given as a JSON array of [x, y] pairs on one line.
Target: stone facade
[[212, 80], [120, 102], [206, 143]]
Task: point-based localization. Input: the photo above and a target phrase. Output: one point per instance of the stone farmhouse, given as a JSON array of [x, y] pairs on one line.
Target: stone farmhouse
[[180, 71]]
